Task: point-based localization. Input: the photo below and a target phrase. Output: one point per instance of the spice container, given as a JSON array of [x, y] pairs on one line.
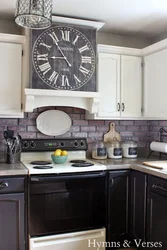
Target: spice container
[[99, 151], [129, 149], [114, 149]]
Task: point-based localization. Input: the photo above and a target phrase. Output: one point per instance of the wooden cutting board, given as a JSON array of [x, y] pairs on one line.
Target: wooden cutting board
[[156, 164], [112, 134]]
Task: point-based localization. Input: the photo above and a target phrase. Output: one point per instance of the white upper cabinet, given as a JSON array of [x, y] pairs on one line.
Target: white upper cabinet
[[10, 79], [155, 85], [131, 86], [109, 84], [119, 85]]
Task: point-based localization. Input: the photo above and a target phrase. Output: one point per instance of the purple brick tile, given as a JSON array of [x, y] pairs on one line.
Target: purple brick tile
[[18, 128], [66, 135], [107, 123], [126, 134], [144, 128], [96, 123], [96, 135], [141, 133], [141, 144], [120, 128], [42, 136], [82, 116], [8, 122], [75, 116], [141, 123], [33, 115], [42, 109], [80, 111], [126, 123], [26, 135], [133, 128], [80, 122], [67, 110], [102, 129], [27, 122], [153, 123], [88, 129], [32, 129], [163, 123], [2, 128], [74, 129], [80, 134]]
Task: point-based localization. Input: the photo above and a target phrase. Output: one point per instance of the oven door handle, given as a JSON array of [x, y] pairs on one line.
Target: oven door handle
[[65, 177]]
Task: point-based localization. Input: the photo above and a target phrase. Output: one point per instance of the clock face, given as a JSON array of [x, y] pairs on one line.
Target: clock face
[[63, 58]]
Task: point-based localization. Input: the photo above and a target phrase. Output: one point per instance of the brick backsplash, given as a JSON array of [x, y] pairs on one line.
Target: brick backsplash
[[141, 131]]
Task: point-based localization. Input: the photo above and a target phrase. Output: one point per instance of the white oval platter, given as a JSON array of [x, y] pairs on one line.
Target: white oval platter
[[53, 122]]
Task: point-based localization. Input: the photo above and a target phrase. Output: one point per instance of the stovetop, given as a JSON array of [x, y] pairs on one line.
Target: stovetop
[[41, 150]]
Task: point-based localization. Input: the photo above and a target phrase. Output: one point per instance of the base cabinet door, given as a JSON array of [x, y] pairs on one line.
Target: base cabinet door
[[118, 205], [138, 205], [12, 222]]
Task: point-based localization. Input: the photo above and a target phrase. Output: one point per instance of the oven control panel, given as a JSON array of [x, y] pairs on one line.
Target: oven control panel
[[72, 144]]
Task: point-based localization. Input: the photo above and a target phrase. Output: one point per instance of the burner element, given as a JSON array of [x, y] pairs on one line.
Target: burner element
[[77, 161], [41, 163], [42, 167], [81, 165]]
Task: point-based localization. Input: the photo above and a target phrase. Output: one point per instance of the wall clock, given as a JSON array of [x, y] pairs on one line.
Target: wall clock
[[64, 58]]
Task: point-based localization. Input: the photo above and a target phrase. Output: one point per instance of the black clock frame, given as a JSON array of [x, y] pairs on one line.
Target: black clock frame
[[76, 79]]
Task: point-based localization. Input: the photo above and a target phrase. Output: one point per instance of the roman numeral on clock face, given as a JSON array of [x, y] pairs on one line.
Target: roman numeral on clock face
[[76, 39], [54, 37], [86, 59], [65, 81], [84, 48], [76, 79], [45, 68], [42, 57], [65, 35], [84, 71], [53, 78], [46, 45]]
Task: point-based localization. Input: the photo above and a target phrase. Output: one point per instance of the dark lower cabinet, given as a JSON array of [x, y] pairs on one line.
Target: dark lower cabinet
[[138, 205], [157, 212], [118, 205], [12, 225]]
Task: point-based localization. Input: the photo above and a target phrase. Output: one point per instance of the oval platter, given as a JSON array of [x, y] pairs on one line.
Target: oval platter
[[53, 122]]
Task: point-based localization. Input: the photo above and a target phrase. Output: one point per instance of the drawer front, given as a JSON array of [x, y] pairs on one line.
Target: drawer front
[[157, 185], [11, 185]]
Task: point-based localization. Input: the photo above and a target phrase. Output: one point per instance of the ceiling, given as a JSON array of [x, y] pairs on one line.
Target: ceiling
[[147, 18]]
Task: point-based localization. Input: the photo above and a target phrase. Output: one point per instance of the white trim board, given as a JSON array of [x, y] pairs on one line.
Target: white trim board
[[75, 21]]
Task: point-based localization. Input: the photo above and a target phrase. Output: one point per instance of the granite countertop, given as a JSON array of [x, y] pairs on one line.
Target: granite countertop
[[136, 164], [12, 169]]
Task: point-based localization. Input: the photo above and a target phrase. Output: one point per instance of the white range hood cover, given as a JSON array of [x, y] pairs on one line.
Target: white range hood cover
[[35, 98]]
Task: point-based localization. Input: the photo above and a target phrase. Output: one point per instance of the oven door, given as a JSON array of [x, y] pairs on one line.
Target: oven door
[[67, 203]]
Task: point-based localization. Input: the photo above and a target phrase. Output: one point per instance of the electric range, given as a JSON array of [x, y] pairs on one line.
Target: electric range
[[67, 202], [36, 151]]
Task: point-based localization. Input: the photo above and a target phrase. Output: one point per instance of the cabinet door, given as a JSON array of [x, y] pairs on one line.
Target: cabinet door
[[138, 205], [109, 85], [118, 205], [155, 87], [10, 79], [12, 222], [157, 219], [131, 86]]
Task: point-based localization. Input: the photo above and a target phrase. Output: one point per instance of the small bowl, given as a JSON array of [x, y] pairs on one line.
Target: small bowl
[[59, 159]]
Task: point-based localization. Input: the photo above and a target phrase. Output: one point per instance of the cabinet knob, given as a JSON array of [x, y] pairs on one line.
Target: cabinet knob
[[123, 107], [4, 184], [119, 107]]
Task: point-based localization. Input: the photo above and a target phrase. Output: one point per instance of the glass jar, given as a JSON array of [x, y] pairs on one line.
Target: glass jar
[[129, 149], [114, 149], [99, 151]]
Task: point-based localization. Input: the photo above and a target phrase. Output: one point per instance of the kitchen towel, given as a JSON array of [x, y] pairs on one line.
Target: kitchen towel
[[158, 146]]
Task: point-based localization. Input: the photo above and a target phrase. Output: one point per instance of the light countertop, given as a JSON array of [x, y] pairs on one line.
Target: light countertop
[[135, 164], [12, 169]]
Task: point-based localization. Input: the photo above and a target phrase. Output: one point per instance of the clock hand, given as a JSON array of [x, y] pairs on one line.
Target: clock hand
[[57, 57], [63, 54]]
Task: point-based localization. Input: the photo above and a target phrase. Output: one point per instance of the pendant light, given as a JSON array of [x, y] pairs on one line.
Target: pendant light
[[34, 14]]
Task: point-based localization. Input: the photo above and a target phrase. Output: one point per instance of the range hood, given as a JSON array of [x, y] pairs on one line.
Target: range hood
[[35, 98]]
